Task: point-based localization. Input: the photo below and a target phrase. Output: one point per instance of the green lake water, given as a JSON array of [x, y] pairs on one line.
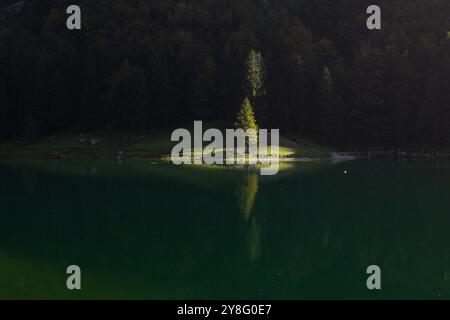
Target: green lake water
[[152, 231]]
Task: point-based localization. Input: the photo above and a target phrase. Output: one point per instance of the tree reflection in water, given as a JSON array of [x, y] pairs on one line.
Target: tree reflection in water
[[247, 189]]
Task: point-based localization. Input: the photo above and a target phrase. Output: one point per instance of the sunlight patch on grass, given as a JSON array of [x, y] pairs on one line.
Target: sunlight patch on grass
[[106, 144]]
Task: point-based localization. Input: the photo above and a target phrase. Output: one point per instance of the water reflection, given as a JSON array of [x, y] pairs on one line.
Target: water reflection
[[247, 189], [149, 231], [254, 240]]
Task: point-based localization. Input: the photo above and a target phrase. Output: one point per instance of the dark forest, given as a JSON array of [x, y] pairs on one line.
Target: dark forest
[[158, 64]]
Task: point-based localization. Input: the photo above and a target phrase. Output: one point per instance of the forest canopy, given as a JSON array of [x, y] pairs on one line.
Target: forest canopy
[[158, 64]]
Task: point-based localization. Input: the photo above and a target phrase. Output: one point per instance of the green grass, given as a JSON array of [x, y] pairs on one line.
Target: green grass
[[300, 148], [149, 146], [72, 145]]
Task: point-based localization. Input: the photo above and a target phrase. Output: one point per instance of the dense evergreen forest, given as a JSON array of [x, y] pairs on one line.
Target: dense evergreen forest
[[147, 65]]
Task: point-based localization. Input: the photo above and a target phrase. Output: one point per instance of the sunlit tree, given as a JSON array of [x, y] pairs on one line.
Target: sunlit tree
[[255, 74], [245, 118]]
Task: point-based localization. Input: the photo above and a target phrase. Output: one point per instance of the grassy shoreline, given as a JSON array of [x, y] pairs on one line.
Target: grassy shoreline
[[105, 145]]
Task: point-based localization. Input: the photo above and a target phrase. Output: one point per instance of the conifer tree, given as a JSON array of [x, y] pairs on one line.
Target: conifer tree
[[254, 86], [255, 74], [245, 118]]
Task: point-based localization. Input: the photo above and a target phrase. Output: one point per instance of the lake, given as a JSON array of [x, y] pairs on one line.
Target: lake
[[154, 231]]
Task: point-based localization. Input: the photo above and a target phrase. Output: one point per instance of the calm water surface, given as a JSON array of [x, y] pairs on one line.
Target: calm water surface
[[146, 230]]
